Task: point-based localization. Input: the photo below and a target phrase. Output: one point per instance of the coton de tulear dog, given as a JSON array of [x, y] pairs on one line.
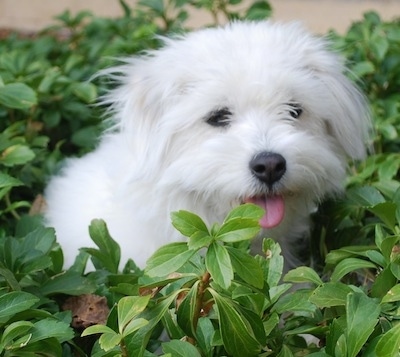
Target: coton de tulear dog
[[249, 112]]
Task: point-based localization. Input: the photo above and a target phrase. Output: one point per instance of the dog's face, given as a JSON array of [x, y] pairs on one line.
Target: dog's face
[[248, 113]]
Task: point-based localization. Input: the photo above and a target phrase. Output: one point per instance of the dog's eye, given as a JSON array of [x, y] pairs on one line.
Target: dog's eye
[[295, 110], [219, 117]]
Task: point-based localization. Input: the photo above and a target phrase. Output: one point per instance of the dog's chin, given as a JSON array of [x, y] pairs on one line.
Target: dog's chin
[[274, 207]]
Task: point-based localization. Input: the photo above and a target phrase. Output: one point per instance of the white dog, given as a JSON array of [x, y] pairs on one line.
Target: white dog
[[250, 112]]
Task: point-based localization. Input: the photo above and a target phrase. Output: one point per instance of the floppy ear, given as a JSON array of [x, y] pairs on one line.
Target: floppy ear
[[143, 95], [348, 116]]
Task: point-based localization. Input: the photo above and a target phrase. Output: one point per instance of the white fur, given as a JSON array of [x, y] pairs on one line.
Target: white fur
[[162, 156]]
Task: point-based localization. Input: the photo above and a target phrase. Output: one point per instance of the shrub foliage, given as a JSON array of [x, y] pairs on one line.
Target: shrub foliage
[[205, 297]]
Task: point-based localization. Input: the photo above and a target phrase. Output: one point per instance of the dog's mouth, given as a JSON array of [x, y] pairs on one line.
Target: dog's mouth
[[274, 206]]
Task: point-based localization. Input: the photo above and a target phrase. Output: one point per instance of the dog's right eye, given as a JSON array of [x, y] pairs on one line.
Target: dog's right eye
[[219, 117]]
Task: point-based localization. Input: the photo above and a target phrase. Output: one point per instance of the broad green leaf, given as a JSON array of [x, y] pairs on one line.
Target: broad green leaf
[[108, 341], [245, 211], [296, 301], [129, 307], [188, 309], [271, 323], [238, 229], [70, 283], [259, 10], [383, 283], [273, 266], [179, 348], [9, 181], [14, 331], [137, 342], [389, 343], [188, 223], [16, 155], [134, 325], [366, 196], [17, 96], [236, 335], [392, 295], [204, 334], [246, 267], [85, 91], [168, 259], [349, 265], [386, 211], [15, 302], [109, 252], [330, 294], [10, 279], [303, 275], [199, 240], [97, 329], [362, 317], [219, 265], [51, 327]]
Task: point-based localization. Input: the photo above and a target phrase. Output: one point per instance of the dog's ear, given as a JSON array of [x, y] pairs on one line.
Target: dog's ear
[[348, 116]]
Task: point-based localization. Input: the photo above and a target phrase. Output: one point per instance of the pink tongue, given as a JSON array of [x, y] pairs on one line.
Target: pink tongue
[[274, 207]]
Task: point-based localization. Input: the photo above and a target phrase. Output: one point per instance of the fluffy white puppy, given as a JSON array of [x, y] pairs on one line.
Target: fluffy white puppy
[[250, 112]]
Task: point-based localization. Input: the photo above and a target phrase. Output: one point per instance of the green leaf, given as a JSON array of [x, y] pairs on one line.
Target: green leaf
[[16, 155], [245, 211], [199, 240], [238, 229], [129, 307], [17, 96], [362, 317], [108, 341], [51, 327], [168, 259], [134, 325], [204, 334], [392, 295], [389, 344], [85, 91], [386, 211], [179, 348], [109, 252], [7, 181], [69, 283], [246, 267], [259, 10], [273, 263], [188, 223], [97, 329], [138, 341], [14, 331], [219, 265], [348, 265], [297, 301], [15, 302], [303, 275], [365, 196], [238, 338], [330, 294], [188, 310]]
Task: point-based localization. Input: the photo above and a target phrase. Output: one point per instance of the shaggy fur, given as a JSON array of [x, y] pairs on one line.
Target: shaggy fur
[[250, 112]]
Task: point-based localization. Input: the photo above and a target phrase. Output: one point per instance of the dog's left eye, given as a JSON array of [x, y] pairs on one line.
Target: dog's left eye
[[295, 110], [219, 117]]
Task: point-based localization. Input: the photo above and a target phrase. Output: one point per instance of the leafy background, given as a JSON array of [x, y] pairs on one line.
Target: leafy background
[[223, 302]]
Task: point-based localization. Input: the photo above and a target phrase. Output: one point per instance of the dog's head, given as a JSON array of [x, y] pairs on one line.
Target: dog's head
[[251, 112]]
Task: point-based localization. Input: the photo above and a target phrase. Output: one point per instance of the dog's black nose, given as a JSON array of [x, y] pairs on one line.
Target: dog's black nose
[[268, 167]]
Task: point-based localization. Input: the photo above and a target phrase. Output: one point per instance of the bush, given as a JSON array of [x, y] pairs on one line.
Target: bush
[[223, 302]]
